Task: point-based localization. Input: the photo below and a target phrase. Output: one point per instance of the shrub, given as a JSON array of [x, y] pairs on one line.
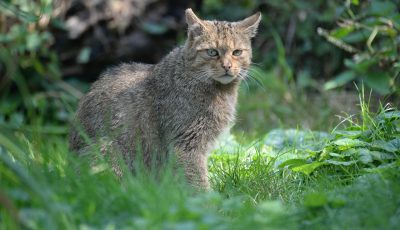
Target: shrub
[[370, 32]]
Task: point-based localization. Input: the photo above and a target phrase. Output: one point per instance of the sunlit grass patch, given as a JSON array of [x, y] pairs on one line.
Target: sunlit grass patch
[[284, 180]]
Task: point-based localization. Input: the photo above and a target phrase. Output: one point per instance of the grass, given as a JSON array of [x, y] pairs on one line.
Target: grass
[[288, 179], [370, 202], [56, 190]]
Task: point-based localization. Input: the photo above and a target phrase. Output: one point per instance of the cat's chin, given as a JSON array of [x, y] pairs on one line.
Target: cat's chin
[[225, 79]]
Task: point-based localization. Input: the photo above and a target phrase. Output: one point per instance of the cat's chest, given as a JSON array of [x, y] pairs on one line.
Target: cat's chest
[[214, 116], [199, 119], [196, 111], [222, 109]]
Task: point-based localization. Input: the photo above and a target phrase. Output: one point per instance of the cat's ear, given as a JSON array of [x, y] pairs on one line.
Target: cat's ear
[[250, 25], [195, 25], [191, 18]]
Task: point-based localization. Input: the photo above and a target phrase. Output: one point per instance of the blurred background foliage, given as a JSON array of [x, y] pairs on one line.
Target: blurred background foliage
[[307, 56], [369, 31]]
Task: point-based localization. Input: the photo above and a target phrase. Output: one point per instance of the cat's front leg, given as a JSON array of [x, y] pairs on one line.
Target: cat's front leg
[[194, 164]]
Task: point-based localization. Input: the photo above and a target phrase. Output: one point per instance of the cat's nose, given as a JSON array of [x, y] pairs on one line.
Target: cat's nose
[[227, 66]]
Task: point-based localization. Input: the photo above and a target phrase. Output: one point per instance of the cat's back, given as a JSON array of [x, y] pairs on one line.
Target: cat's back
[[115, 83], [119, 78], [108, 96]]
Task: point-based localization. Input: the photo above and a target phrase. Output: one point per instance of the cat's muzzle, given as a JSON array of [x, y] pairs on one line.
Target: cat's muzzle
[[225, 79]]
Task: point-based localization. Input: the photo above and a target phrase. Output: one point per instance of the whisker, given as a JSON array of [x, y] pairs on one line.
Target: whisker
[[256, 64], [201, 76], [258, 81], [248, 75], [245, 82]]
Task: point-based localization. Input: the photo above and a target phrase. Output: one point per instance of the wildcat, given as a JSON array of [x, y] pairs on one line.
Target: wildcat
[[182, 103]]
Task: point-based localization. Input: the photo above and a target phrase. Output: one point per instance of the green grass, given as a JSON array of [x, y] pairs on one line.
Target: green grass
[[288, 179], [370, 202], [54, 189]]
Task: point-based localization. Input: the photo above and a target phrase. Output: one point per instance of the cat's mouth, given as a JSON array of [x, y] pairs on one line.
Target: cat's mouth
[[225, 79]]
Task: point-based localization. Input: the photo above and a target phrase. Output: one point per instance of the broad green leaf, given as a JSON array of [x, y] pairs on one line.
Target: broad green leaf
[[341, 32], [281, 139], [355, 37], [336, 155], [344, 163], [382, 8], [387, 146], [379, 81], [308, 168], [352, 152], [391, 115], [340, 80], [365, 156], [395, 143], [293, 163], [381, 156], [363, 65], [348, 133], [346, 143]]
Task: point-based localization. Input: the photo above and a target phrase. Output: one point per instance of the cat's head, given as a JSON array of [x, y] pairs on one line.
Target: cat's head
[[220, 50]]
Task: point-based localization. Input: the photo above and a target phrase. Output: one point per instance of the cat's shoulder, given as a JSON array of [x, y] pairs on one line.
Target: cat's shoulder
[[127, 69], [122, 76]]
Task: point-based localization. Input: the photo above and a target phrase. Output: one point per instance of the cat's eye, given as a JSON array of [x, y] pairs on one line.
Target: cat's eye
[[237, 52], [212, 52]]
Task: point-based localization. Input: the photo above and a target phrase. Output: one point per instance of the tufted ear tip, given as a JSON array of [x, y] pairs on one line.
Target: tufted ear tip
[[191, 18], [189, 11], [196, 26], [250, 24]]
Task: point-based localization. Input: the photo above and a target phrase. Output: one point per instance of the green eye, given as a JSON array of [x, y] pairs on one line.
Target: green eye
[[237, 52], [212, 52]]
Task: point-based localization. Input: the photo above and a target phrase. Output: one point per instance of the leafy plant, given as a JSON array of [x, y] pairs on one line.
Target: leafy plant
[[29, 69], [370, 32], [375, 141]]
